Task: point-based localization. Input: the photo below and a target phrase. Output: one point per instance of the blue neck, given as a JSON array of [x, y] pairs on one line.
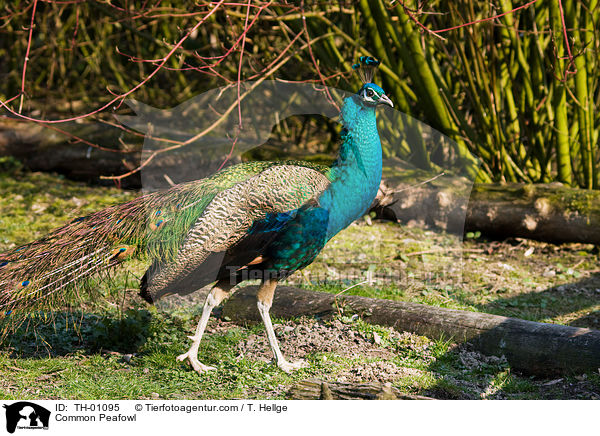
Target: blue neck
[[356, 173]]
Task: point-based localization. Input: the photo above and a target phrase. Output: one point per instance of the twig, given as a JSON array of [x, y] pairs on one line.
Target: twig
[[27, 55], [168, 179], [239, 75], [121, 97], [486, 19], [564, 29], [212, 126], [347, 289], [312, 56], [442, 249], [437, 32], [421, 183]]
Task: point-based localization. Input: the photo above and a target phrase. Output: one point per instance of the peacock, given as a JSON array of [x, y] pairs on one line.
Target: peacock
[[254, 219]]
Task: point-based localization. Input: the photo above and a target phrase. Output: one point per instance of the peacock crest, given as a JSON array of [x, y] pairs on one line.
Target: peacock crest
[[366, 68]]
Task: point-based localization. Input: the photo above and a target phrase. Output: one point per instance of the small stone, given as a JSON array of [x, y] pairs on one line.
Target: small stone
[[39, 207], [154, 395], [529, 251], [127, 358], [77, 201], [376, 338], [549, 273]]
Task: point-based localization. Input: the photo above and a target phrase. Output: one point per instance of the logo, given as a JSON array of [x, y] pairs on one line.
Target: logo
[[26, 415]]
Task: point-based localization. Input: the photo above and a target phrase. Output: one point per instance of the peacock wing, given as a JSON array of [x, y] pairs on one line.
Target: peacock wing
[[230, 218]]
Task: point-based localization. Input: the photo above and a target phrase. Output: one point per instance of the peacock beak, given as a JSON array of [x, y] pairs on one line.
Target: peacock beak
[[384, 99]]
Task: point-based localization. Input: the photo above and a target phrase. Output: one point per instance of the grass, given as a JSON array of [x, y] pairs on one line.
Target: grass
[[519, 278], [121, 348], [86, 369]]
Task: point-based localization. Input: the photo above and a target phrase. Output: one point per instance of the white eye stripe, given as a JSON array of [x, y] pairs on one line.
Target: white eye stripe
[[374, 95]]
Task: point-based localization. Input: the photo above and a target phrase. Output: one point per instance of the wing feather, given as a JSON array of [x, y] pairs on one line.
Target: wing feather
[[229, 217]]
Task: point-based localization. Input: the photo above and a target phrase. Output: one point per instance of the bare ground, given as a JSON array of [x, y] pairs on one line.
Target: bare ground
[[387, 357]]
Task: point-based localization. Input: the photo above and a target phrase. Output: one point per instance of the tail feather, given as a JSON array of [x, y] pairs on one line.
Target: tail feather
[[35, 295], [41, 274]]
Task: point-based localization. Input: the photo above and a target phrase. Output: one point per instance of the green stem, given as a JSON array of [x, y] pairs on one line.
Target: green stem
[[559, 102]]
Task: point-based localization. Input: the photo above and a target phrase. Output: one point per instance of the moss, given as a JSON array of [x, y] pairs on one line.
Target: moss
[[581, 201]]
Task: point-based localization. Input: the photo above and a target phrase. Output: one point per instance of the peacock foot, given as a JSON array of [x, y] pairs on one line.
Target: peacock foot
[[288, 367], [198, 366]]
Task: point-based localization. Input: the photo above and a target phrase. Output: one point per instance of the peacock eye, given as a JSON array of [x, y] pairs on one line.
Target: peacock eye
[[370, 93]]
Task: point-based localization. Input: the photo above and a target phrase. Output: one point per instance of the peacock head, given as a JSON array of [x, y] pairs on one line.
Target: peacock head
[[370, 95]]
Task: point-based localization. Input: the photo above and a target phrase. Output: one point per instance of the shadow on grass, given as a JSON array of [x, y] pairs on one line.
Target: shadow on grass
[[463, 373], [553, 302], [67, 332], [486, 376]]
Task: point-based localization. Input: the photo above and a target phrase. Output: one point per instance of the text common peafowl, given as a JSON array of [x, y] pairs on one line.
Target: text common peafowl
[[265, 218]]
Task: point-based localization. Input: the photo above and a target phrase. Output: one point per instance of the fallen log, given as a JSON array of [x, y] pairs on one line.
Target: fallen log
[[322, 390], [40, 148], [529, 347], [546, 212]]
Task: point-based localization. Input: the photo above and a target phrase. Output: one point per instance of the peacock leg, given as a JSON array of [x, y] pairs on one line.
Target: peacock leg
[[216, 295], [265, 300]]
